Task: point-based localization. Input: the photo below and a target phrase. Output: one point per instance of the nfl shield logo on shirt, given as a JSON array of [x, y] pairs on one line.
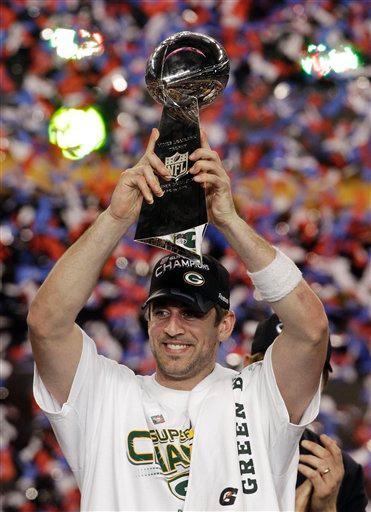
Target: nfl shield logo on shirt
[[157, 419], [177, 164]]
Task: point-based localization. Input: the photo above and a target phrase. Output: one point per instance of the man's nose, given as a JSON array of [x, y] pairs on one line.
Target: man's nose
[[174, 325]]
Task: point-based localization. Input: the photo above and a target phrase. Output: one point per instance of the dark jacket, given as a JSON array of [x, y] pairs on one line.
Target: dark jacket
[[352, 494]]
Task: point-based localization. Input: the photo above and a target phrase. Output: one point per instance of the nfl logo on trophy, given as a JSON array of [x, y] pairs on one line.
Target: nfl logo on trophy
[[177, 165]]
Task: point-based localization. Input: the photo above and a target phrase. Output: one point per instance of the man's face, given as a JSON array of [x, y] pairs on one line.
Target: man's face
[[183, 341]]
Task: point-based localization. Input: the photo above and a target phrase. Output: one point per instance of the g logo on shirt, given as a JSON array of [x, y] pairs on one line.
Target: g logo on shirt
[[228, 496]]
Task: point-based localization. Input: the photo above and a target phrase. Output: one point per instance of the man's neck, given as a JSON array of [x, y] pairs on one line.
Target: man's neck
[[185, 384]]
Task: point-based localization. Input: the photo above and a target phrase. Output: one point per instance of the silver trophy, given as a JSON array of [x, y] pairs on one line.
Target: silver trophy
[[186, 72]]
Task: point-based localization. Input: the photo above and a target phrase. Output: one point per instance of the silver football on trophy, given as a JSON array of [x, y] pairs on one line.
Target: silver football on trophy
[[187, 65]]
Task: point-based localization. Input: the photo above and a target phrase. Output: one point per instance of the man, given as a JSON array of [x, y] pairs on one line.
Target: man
[[195, 436], [329, 480]]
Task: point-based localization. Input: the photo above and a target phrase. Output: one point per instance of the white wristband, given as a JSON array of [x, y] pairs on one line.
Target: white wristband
[[278, 279]]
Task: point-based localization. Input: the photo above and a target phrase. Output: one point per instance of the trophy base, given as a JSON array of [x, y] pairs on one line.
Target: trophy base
[[185, 243]]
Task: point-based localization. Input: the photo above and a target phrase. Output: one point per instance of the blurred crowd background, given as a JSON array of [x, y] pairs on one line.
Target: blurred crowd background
[[292, 136]]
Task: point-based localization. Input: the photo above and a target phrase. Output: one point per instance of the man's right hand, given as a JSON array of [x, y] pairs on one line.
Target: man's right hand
[[137, 183]]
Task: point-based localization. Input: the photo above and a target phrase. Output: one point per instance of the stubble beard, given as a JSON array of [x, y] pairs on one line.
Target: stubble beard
[[191, 368]]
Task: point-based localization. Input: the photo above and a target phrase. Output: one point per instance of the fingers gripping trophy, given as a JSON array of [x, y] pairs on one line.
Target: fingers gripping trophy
[[185, 73]]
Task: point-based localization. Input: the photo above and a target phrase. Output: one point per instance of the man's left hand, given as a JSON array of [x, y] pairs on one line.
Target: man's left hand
[[208, 170]]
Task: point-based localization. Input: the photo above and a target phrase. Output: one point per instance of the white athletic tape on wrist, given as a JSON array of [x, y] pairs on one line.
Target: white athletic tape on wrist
[[278, 279]]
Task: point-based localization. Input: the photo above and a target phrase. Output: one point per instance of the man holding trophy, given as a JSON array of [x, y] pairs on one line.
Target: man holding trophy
[[195, 435]]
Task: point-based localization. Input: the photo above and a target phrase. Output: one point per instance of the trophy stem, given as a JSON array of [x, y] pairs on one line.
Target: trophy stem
[[177, 220]]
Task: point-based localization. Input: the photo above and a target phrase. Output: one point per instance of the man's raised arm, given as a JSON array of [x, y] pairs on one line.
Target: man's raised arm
[[56, 339], [299, 352]]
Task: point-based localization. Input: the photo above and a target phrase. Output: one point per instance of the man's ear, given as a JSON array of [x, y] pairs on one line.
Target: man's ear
[[226, 326]]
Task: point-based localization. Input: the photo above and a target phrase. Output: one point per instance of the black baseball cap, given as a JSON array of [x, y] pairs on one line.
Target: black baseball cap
[[200, 285], [268, 330]]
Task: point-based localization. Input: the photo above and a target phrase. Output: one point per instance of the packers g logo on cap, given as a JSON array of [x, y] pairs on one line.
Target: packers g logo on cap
[[194, 278]]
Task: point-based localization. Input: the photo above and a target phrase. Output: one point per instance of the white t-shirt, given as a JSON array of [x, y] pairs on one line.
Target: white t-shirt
[[128, 440]]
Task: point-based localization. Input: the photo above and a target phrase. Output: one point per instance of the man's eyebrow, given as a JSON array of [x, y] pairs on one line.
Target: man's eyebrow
[[183, 307], [196, 312]]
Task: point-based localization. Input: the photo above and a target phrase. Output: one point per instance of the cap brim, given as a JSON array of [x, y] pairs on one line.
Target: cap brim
[[196, 301]]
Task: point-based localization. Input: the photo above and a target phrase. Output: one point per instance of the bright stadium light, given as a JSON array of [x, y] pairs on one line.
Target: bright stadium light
[[63, 42], [316, 60], [119, 83], [73, 44], [320, 61], [343, 59], [77, 132]]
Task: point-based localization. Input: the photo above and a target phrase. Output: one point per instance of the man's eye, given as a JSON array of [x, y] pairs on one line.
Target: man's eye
[[160, 313], [190, 314]]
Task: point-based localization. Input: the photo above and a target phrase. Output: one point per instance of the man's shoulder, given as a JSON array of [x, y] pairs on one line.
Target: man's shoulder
[[248, 379], [222, 372], [252, 370], [116, 370], [106, 362]]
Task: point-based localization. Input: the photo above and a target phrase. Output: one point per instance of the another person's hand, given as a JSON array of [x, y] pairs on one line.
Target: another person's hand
[[302, 496], [325, 470], [209, 171], [137, 183]]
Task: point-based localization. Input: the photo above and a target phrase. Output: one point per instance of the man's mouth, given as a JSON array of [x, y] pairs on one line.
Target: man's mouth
[[176, 348]]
